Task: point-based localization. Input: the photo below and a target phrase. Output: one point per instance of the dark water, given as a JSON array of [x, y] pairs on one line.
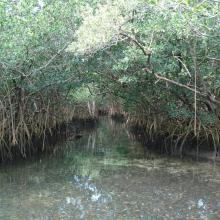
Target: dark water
[[107, 175]]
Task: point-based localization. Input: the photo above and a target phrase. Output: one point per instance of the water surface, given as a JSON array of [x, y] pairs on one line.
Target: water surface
[[107, 175]]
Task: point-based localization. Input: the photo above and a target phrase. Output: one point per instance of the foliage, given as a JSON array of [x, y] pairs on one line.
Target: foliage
[[159, 58], [156, 58], [36, 73]]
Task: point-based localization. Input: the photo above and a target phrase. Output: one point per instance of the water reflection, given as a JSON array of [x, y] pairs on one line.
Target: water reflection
[[104, 175]]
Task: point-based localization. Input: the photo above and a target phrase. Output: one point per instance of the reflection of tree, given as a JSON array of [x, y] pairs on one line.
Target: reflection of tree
[[91, 141], [111, 141]]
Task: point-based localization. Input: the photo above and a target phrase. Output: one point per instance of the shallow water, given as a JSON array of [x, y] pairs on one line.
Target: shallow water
[[107, 175]]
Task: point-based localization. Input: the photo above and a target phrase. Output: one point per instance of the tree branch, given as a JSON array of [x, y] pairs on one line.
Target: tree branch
[[145, 52], [51, 59], [208, 95], [178, 84]]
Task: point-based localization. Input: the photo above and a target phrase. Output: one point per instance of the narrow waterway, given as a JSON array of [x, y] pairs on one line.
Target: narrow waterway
[[107, 175]]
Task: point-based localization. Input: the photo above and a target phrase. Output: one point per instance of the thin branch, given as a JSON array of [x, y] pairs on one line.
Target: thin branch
[[212, 58], [208, 95], [178, 84], [145, 52], [193, 51], [184, 65], [51, 60]]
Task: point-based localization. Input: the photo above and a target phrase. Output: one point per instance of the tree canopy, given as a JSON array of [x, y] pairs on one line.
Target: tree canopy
[[157, 59]]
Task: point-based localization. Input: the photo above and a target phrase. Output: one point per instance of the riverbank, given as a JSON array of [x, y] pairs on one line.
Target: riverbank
[[174, 139], [46, 140]]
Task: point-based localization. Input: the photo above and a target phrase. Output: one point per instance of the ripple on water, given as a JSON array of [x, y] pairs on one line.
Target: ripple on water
[[118, 183]]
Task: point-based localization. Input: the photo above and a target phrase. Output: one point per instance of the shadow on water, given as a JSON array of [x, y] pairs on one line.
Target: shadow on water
[[108, 175]]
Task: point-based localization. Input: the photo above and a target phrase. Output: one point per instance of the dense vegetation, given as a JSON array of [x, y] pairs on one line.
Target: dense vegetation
[[156, 60]]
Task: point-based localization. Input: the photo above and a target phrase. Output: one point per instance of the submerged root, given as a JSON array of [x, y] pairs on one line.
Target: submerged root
[[175, 136], [24, 130]]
